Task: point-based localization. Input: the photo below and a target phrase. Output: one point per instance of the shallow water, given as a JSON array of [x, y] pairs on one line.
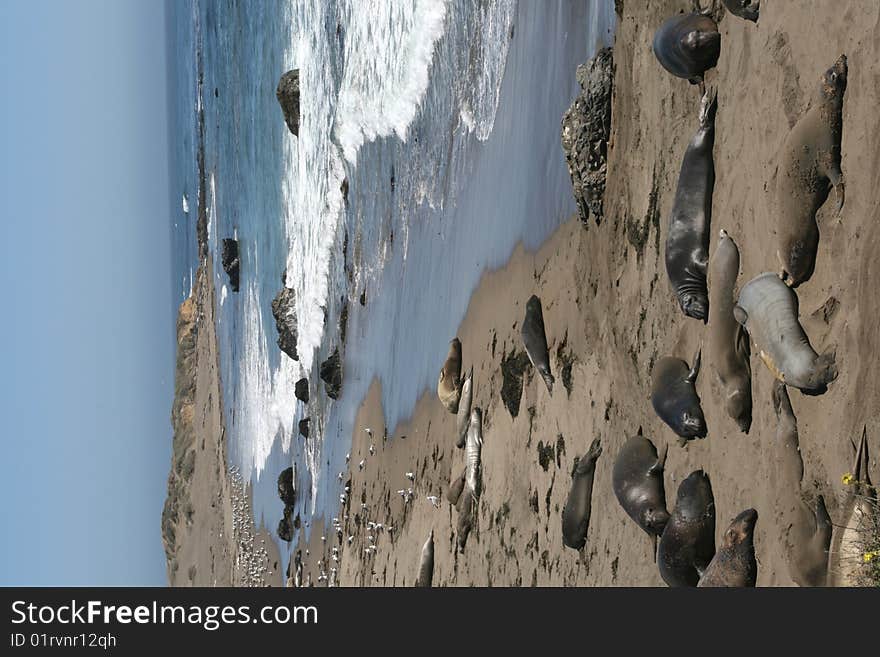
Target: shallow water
[[444, 118]]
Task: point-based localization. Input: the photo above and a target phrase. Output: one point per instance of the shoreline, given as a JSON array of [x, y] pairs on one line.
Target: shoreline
[[607, 300]]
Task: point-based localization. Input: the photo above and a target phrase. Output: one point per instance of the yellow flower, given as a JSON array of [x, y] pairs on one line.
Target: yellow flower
[[847, 479], [868, 557]]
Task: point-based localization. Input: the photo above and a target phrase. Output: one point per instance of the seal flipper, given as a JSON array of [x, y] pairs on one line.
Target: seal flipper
[[660, 463], [740, 315], [695, 370]]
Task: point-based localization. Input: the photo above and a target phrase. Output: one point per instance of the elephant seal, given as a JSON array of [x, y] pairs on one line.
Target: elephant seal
[[806, 535], [674, 397], [535, 340], [637, 479], [860, 514], [576, 512], [449, 383], [768, 309], [810, 166], [688, 542], [747, 9], [734, 563], [465, 523], [426, 563], [728, 340], [463, 418], [687, 243], [688, 45], [455, 487], [473, 454]]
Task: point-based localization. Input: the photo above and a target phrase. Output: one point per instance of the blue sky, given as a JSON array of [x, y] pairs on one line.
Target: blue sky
[[87, 336]]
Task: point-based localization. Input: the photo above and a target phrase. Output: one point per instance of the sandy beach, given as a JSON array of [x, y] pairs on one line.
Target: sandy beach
[[610, 315]]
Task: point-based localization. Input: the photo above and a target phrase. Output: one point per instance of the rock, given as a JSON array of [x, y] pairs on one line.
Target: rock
[[283, 311], [285, 527], [231, 261], [301, 390], [586, 128], [286, 490], [304, 427], [287, 94], [331, 374]]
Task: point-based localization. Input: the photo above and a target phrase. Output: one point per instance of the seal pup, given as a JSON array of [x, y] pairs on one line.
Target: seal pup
[[810, 167], [426, 563], [455, 487], [576, 512], [728, 340], [462, 420], [734, 563], [674, 397], [860, 514], [806, 535], [688, 542], [687, 45], [449, 383], [637, 479], [768, 309], [748, 9], [535, 340], [687, 242]]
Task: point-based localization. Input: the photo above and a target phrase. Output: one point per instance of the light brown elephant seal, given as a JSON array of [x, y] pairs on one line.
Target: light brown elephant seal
[[806, 535], [728, 340], [456, 486], [463, 419], [734, 563], [810, 166], [449, 383], [768, 309]]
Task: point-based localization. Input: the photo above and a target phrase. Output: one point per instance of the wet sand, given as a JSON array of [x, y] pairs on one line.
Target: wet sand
[[609, 312]]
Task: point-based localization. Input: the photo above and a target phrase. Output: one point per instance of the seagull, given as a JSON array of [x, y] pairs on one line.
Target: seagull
[[347, 458], [411, 476], [372, 449], [350, 539], [361, 464], [340, 476], [369, 431], [433, 499]]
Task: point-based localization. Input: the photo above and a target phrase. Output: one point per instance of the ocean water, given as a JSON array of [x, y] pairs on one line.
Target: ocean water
[[443, 116]]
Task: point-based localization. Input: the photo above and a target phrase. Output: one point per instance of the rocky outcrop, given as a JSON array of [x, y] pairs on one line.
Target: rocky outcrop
[[284, 312], [304, 427], [286, 490], [287, 94], [331, 374], [586, 128], [301, 390], [231, 261], [285, 526]]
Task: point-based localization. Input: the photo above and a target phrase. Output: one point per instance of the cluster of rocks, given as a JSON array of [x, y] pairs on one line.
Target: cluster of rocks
[[231, 261], [287, 493], [287, 94], [586, 128]]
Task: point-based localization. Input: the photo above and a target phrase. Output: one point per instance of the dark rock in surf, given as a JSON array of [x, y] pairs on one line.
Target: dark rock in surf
[[286, 490], [231, 262], [304, 427], [301, 390], [287, 94], [331, 374], [284, 312]]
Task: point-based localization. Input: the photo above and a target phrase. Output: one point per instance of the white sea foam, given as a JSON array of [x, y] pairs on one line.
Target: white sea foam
[[223, 294], [185, 205]]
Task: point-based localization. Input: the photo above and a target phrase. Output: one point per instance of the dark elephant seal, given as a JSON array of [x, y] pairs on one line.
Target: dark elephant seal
[[728, 340], [463, 419], [747, 9], [466, 507], [455, 487], [688, 542], [688, 45], [806, 534], [426, 563], [734, 563], [535, 340], [687, 243], [810, 166], [768, 309], [576, 512], [449, 383], [637, 479], [674, 397]]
